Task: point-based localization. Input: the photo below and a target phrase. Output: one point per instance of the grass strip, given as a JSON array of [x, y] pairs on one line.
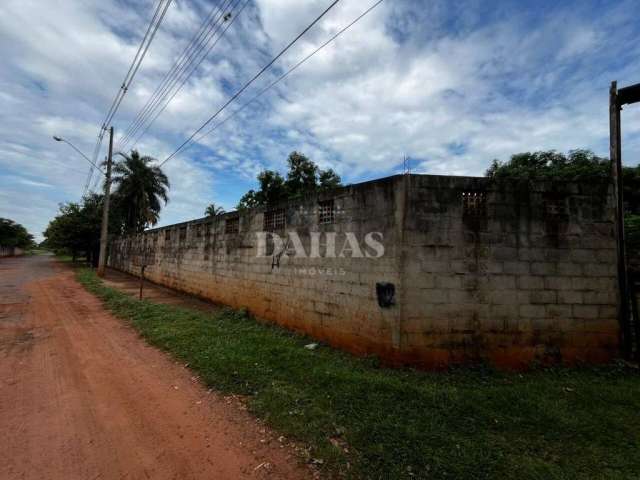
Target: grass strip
[[364, 421]]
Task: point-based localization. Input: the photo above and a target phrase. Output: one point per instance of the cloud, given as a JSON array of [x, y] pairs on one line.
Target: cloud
[[451, 85]]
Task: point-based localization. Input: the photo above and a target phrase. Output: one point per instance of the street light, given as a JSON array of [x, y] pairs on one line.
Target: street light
[[60, 139], [102, 258]]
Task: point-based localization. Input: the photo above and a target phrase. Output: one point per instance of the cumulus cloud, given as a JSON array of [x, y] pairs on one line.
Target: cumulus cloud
[[450, 85]]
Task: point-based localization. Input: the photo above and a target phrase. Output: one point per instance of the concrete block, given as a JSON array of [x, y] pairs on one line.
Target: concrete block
[[494, 267], [532, 311], [558, 283], [434, 295], [556, 254], [585, 283], [436, 267], [504, 311], [544, 268], [569, 269], [600, 269], [606, 297], [462, 297], [503, 297], [606, 256], [570, 297], [531, 254], [585, 311], [504, 253], [581, 255], [502, 282], [529, 282], [543, 297], [559, 311], [448, 281], [517, 268], [607, 311]]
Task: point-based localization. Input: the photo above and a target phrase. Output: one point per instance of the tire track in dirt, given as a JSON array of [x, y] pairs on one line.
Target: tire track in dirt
[[82, 396]]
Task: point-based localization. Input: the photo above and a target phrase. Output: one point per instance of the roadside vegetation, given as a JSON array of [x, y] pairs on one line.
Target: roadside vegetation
[[141, 189], [582, 166], [361, 420], [14, 235]]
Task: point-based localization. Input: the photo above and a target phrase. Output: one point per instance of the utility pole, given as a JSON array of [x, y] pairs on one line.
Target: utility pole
[[618, 98], [104, 230], [615, 153]]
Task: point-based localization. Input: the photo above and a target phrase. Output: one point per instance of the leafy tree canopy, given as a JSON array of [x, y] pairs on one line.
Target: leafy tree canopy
[[577, 165], [13, 234], [76, 227], [303, 178]]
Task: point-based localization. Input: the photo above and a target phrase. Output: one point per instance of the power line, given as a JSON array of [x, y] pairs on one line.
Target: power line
[[94, 156], [288, 72], [246, 85], [178, 65], [158, 16], [193, 65], [189, 75], [123, 86], [175, 69], [137, 61]]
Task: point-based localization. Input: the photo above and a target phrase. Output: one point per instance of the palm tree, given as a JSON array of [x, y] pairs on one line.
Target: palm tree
[[140, 190], [212, 210]]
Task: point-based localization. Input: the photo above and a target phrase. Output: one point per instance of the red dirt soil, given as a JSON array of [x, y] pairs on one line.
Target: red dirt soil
[[83, 397]]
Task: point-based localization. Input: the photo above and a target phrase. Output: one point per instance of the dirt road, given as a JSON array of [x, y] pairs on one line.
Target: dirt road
[[82, 397]]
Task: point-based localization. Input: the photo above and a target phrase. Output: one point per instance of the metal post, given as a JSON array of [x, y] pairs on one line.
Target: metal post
[[142, 279], [616, 170], [104, 230], [633, 291]]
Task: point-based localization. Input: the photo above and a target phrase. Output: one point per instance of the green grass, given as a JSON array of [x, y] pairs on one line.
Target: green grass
[[68, 259], [475, 424]]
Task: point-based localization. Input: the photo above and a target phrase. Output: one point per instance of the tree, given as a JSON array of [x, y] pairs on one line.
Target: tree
[[272, 190], [302, 175], [76, 228], [248, 201], [328, 179], [13, 234], [213, 210], [140, 190], [552, 165], [582, 165], [303, 178]]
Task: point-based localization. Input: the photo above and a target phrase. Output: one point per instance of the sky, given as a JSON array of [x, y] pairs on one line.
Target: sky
[[450, 85]]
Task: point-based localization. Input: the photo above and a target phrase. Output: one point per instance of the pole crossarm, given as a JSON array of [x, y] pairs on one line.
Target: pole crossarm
[[629, 95]]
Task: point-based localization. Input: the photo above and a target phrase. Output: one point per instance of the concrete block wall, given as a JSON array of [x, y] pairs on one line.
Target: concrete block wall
[[528, 276], [10, 251], [505, 273]]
